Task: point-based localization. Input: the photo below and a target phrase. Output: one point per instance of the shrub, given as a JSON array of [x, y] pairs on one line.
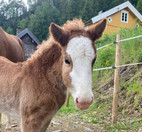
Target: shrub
[[106, 57], [139, 54]]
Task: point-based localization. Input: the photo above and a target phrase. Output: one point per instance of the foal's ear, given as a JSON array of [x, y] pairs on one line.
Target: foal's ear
[[58, 34], [97, 30]]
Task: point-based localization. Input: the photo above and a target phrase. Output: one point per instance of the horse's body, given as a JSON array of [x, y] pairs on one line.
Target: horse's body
[[11, 47], [35, 90]]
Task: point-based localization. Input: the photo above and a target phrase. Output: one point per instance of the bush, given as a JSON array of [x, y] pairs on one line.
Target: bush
[[106, 57], [139, 56]]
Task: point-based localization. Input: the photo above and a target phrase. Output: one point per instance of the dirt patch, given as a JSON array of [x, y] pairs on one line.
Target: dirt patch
[[69, 123]]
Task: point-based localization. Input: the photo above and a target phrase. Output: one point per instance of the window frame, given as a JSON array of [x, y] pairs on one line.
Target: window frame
[[125, 12]]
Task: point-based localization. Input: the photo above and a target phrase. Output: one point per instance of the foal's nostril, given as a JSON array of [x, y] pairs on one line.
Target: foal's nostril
[[77, 100]]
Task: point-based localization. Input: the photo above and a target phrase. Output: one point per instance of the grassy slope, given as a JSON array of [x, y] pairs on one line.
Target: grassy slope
[[130, 110]]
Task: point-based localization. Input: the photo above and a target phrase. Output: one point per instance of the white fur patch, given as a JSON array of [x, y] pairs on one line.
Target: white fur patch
[[82, 53]]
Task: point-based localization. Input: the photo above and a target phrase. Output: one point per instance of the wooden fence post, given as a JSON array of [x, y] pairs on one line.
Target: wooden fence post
[[67, 99], [116, 80]]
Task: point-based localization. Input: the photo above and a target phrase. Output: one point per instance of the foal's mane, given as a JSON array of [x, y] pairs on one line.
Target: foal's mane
[[75, 24]]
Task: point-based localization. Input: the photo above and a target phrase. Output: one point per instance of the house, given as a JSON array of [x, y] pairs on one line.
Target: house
[[123, 15], [30, 41]]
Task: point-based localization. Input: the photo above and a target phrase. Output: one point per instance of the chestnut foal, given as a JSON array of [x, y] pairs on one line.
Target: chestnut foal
[[35, 90]]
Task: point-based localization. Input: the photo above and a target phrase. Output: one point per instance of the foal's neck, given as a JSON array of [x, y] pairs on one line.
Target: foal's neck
[[47, 60], [45, 69]]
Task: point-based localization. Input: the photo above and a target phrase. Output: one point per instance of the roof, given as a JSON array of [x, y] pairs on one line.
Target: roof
[[117, 9], [27, 31]]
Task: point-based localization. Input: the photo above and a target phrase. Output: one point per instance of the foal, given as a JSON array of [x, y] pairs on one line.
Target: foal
[[35, 90]]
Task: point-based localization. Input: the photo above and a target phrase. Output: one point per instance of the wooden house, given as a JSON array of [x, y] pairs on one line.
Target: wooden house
[[30, 41], [123, 15]]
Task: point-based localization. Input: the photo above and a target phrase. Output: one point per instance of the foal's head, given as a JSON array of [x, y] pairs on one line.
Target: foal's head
[[79, 54]]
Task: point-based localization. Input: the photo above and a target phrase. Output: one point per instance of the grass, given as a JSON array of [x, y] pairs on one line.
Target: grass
[[70, 109], [98, 114]]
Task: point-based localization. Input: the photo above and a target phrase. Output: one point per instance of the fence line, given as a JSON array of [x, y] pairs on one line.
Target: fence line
[[139, 36], [114, 67], [117, 72], [131, 38], [105, 46], [116, 79]]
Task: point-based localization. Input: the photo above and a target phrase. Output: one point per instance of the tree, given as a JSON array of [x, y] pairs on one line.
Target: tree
[[10, 14], [90, 9], [40, 21], [139, 6], [42, 12], [3, 5], [134, 2], [23, 23], [10, 30], [15, 8]]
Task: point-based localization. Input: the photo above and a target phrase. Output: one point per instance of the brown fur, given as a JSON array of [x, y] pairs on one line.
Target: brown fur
[[11, 47], [36, 89]]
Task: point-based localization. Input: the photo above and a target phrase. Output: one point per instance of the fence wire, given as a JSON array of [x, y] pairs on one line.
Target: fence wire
[[105, 46], [114, 67], [119, 41]]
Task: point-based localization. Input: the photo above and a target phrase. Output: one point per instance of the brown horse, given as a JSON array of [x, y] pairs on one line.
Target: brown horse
[[35, 90], [11, 47]]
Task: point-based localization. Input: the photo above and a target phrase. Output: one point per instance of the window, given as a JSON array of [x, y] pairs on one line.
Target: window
[[124, 16], [109, 19]]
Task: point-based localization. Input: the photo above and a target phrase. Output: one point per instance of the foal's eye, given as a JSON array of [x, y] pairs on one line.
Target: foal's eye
[[67, 61]]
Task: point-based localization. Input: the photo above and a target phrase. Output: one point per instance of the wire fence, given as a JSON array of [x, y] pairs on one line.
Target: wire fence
[[115, 42], [117, 71], [119, 41], [114, 67], [105, 46]]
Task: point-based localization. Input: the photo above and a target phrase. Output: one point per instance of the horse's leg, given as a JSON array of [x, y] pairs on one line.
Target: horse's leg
[[31, 124], [44, 128], [8, 125], [0, 120]]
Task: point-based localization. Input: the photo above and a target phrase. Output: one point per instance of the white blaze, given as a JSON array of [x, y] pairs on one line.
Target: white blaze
[[81, 74]]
